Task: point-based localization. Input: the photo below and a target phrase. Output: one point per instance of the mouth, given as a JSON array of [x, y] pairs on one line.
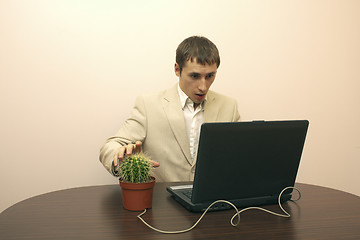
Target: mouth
[[200, 96]]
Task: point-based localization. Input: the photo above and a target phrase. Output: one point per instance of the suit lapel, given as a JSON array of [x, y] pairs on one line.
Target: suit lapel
[[211, 111], [175, 116]]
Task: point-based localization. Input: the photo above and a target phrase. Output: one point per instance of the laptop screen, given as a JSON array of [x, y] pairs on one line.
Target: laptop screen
[[247, 159]]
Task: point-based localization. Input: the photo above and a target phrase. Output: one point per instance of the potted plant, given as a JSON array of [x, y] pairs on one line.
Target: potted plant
[[136, 183]]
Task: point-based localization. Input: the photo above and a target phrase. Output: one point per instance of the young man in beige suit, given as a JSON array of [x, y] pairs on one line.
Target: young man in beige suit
[[166, 125]]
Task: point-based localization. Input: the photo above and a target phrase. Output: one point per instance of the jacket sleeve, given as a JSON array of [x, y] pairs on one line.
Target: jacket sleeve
[[134, 129]]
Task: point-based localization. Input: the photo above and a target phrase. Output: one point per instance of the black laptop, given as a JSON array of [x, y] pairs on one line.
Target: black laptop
[[246, 163]]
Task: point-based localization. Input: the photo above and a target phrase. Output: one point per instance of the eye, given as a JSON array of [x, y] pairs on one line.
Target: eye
[[194, 75], [210, 75]]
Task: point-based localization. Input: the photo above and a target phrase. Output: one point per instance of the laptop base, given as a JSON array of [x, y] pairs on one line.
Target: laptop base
[[179, 196]]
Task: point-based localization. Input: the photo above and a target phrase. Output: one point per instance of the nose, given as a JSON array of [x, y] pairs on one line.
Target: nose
[[202, 85]]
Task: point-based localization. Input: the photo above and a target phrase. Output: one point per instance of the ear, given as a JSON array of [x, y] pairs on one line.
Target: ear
[[177, 69]]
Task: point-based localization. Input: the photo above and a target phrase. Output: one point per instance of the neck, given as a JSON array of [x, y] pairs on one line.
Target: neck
[[196, 105]]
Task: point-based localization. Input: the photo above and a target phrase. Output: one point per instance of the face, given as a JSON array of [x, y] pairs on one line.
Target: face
[[196, 79]]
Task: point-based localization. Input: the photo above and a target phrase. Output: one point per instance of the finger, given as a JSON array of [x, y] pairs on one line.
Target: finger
[[138, 146], [121, 153], [129, 149], [119, 156], [154, 164], [116, 162]]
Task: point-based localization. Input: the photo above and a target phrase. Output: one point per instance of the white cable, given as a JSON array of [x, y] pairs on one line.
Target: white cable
[[237, 214]]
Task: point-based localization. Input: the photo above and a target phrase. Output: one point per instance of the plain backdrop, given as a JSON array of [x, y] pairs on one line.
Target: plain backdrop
[[70, 71]]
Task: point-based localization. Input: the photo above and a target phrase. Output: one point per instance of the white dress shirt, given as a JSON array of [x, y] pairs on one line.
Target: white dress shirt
[[193, 120]]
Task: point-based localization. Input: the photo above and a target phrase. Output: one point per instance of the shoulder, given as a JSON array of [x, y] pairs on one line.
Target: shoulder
[[156, 97], [226, 107], [218, 97]]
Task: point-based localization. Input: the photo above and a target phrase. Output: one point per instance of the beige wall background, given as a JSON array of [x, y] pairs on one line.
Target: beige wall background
[[70, 72]]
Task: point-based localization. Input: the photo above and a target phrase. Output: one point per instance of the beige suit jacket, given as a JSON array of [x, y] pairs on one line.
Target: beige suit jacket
[[158, 121]]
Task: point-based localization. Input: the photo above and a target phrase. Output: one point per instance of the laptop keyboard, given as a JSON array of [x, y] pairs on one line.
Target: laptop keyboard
[[188, 192]]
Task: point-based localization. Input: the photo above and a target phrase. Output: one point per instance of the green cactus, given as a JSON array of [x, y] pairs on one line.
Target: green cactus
[[135, 168]]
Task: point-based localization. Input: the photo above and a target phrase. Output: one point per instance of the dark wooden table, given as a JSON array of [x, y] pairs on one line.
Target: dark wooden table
[[96, 213]]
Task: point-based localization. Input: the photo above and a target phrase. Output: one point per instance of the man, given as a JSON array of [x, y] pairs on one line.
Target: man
[[167, 125]]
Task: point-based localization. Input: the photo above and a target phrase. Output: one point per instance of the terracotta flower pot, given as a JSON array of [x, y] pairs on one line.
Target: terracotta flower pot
[[137, 196]]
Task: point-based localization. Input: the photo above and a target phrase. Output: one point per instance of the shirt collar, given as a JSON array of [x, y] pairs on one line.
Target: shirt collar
[[184, 99]]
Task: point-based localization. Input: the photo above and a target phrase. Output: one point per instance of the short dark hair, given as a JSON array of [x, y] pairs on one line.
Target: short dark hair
[[197, 48]]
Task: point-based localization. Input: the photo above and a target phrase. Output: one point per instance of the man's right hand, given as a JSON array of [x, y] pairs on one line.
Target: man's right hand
[[128, 150]]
